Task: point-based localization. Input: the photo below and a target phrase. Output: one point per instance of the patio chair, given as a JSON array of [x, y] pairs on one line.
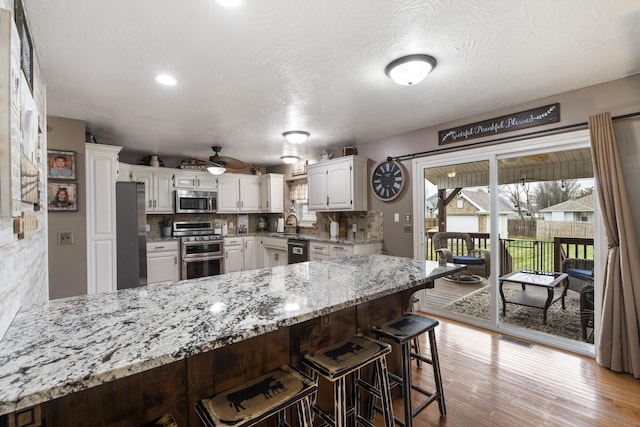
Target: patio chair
[[580, 273], [477, 261]]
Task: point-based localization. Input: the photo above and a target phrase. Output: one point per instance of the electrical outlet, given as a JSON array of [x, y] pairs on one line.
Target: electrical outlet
[[65, 238]]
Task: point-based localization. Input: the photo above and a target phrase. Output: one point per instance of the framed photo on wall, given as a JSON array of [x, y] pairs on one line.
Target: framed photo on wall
[[62, 196], [61, 164]]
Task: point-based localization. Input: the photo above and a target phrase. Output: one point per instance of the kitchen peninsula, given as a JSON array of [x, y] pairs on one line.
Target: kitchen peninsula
[[126, 357]]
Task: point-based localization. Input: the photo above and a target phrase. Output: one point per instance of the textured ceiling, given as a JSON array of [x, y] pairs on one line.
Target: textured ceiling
[[246, 75]]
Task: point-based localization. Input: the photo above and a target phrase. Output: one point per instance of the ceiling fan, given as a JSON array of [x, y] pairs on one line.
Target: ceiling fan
[[221, 164], [534, 157]]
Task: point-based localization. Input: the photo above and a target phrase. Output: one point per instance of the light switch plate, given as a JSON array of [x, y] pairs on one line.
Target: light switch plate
[[396, 217]]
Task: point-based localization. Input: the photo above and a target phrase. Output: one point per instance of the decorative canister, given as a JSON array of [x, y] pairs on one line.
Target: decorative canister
[[262, 224], [153, 161], [349, 151]]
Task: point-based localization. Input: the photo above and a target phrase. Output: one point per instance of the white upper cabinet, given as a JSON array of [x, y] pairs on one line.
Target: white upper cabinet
[[195, 181], [272, 193], [158, 184], [338, 185], [238, 193]]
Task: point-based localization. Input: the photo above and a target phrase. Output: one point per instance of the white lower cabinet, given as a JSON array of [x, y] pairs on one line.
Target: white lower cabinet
[[240, 254], [337, 250], [162, 261], [233, 260], [274, 251], [318, 251], [250, 257]]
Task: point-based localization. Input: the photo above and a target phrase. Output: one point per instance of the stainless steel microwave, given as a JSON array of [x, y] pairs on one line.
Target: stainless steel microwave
[[189, 201]]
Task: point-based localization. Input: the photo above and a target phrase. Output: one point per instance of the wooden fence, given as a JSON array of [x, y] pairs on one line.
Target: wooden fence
[[547, 230]]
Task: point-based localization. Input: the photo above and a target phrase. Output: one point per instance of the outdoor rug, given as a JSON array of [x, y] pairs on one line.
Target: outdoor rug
[[563, 323]]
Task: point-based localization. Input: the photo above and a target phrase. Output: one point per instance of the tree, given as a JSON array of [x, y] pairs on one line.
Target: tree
[[519, 196], [586, 191], [549, 193]]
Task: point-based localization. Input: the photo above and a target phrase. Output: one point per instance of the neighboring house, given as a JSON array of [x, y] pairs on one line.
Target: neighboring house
[[572, 210], [469, 212]]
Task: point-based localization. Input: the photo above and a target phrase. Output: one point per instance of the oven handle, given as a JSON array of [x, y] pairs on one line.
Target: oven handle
[[194, 258]]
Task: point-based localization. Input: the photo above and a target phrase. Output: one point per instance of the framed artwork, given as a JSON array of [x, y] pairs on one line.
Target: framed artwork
[[62, 196], [26, 46], [61, 164]]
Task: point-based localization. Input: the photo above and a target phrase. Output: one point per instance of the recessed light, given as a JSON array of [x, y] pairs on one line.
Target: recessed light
[[165, 79], [229, 3]]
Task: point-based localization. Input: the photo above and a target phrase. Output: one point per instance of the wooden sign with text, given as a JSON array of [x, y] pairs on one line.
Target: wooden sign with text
[[524, 119]]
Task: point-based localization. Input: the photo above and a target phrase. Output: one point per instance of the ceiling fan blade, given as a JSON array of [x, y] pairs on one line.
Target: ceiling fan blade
[[537, 157], [234, 165]]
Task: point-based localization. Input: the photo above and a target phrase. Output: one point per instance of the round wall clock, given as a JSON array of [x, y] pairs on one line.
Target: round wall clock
[[387, 180]]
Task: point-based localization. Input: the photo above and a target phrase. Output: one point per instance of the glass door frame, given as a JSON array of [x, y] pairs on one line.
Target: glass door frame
[[492, 153]]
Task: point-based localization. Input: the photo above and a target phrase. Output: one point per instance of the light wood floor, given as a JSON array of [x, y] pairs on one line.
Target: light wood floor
[[490, 381]]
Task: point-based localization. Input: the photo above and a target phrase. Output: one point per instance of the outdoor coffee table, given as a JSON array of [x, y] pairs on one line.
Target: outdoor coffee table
[[550, 281]]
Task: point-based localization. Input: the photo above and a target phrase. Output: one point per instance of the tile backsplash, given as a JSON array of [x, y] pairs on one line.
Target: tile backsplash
[[369, 224]]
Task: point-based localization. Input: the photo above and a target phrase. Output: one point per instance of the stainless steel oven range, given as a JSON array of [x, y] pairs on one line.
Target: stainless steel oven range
[[201, 251]]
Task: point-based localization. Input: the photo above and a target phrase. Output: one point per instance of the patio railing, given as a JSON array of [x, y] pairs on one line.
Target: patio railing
[[521, 254]]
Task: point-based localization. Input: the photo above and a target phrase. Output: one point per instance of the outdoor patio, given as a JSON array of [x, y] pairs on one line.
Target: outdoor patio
[[473, 299]]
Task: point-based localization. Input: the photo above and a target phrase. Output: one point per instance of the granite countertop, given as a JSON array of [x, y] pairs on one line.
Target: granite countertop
[[162, 239], [314, 238], [68, 345]]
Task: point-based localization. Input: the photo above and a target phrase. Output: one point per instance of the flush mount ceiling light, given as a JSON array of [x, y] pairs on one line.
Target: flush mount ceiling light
[[451, 174], [411, 69], [289, 159], [296, 136], [229, 3], [217, 166], [165, 79]]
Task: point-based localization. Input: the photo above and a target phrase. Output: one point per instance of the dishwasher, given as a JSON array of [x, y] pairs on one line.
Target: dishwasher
[[297, 250]]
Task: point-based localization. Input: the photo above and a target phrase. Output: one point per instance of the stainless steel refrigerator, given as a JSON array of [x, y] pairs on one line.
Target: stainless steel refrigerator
[[131, 234]]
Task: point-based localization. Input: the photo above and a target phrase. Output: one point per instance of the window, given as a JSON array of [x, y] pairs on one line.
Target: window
[[298, 195]]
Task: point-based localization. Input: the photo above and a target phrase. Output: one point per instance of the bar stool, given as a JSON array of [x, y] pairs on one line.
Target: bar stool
[[403, 331], [336, 362], [256, 400], [415, 342], [165, 420]]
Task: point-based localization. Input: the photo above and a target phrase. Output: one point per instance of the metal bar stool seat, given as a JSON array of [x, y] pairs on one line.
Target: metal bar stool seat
[[403, 331], [256, 400], [335, 363]]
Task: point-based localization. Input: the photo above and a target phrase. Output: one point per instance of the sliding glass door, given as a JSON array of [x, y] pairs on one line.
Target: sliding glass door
[[528, 210]]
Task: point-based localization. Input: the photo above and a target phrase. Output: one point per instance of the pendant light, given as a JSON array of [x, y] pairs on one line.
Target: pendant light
[[411, 69]]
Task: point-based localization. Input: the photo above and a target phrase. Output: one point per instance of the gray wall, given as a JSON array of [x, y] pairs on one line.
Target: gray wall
[[68, 263], [619, 97]]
